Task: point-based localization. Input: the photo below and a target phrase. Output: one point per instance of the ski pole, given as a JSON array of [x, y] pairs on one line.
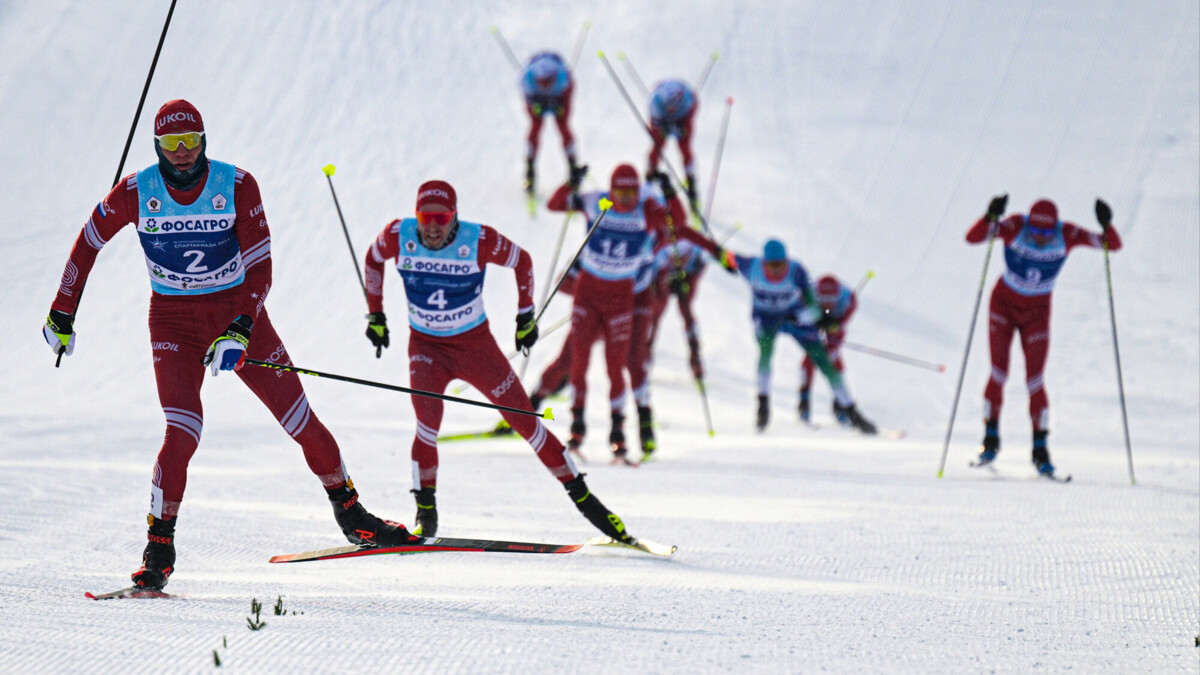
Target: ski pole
[[512, 58], [579, 43], [467, 386], [1112, 313], [862, 284], [633, 73], [712, 183], [707, 69], [548, 414], [328, 171], [704, 401], [962, 371], [895, 357], [632, 106], [605, 205], [128, 141], [562, 233]]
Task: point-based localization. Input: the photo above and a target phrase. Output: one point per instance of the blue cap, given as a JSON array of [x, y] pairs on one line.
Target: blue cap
[[774, 250]]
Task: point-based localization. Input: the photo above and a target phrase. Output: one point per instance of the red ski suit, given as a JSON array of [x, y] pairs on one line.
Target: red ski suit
[[472, 356], [1020, 301], [604, 307], [183, 326]]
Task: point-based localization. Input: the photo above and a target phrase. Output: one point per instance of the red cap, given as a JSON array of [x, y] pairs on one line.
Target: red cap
[[437, 192], [828, 290], [624, 176], [1043, 214], [176, 117]]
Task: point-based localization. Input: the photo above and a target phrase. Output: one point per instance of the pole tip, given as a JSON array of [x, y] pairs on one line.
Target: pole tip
[[620, 56], [493, 30], [870, 274], [329, 169], [548, 414], [941, 368], [605, 203], [711, 433], [939, 474], [587, 23], [716, 55], [728, 100]]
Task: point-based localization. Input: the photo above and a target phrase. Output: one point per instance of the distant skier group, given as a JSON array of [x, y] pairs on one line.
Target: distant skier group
[[207, 249]]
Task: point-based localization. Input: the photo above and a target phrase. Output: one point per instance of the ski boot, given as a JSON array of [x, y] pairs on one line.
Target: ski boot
[[805, 408], [529, 177], [764, 412], [426, 520], [1041, 454], [991, 443], [597, 514], [359, 526], [694, 358], [690, 186], [646, 432], [578, 431], [616, 440], [850, 417], [158, 559]]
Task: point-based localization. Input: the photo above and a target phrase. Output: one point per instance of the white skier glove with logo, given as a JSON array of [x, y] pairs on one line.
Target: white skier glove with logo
[[228, 352]]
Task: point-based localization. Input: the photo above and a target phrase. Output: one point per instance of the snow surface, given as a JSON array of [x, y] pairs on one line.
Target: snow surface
[[866, 135]]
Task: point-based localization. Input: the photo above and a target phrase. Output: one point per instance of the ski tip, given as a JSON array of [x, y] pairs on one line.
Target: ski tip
[[548, 414], [328, 169], [605, 203]]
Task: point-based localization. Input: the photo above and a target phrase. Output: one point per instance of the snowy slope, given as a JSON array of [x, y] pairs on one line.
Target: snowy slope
[[867, 136]]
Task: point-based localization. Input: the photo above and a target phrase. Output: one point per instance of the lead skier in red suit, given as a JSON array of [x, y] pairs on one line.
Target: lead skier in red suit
[[442, 261], [1035, 248], [604, 292], [208, 250]]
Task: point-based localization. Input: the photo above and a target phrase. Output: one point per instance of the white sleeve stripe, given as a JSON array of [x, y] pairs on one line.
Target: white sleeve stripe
[[92, 236], [513, 257], [375, 254]]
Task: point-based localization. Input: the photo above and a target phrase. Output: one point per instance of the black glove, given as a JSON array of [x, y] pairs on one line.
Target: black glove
[[59, 332], [578, 173], [996, 207], [664, 183], [1103, 214], [827, 321], [527, 331], [377, 331]]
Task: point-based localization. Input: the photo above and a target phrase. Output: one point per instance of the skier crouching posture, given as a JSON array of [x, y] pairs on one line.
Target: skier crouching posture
[[1035, 247], [207, 281], [783, 301], [442, 261], [838, 303]]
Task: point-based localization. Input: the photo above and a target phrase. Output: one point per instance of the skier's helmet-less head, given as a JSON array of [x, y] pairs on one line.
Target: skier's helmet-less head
[[179, 130], [437, 218], [624, 187], [1043, 218], [828, 291]]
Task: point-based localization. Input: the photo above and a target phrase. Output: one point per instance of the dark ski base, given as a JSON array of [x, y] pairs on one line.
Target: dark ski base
[[429, 545], [131, 593]]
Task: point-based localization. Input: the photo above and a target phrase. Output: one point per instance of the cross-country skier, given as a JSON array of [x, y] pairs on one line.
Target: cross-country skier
[[673, 106], [548, 85], [783, 301], [1035, 247], [680, 269], [208, 251], [442, 261], [604, 292], [837, 302]]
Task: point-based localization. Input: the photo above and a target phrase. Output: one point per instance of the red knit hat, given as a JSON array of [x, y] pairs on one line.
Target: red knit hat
[[437, 192], [1043, 214], [828, 290], [176, 117], [624, 177]]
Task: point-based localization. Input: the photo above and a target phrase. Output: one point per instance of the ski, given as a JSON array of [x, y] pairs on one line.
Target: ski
[[131, 593], [478, 435], [428, 545], [643, 545], [990, 466]]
